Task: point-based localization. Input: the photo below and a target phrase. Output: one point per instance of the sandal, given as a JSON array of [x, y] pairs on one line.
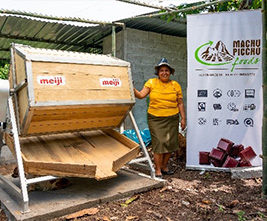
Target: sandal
[[169, 172], [159, 176]]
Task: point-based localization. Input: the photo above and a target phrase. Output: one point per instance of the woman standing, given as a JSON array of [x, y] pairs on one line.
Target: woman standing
[[166, 103]]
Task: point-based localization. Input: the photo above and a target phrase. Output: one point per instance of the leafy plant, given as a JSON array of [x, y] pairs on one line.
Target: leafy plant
[[221, 208], [193, 8], [4, 68], [261, 215], [241, 215], [207, 176]]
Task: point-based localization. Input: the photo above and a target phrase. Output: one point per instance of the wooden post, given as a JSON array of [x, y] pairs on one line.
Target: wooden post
[[264, 123]]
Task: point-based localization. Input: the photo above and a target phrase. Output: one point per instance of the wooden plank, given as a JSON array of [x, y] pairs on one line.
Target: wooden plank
[[43, 120], [81, 82], [35, 150], [108, 149], [121, 138], [117, 164], [59, 146], [26, 122], [10, 143], [78, 106], [88, 111], [20, 69], [61, 169], [23, 104], [71, 125], [20, 75], [51, 94], [45, 156], [105, 144], [98, 157]]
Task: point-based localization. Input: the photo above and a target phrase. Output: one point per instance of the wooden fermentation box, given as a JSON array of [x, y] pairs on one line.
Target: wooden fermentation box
[[67, 106], [67, 91]]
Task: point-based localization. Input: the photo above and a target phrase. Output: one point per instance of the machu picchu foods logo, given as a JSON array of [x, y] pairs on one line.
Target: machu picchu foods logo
[[110, 82], [245, 53], [51, 80]]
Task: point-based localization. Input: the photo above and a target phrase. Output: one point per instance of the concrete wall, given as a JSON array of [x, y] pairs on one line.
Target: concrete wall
[[144, 50]]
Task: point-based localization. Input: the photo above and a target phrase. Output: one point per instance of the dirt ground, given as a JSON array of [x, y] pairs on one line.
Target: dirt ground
[[187, 195]]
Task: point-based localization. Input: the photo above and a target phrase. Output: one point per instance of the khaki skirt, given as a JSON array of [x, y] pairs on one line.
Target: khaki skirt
[[164, 133]]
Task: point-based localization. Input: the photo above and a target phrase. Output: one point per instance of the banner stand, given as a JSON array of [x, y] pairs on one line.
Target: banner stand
[[224, 93]]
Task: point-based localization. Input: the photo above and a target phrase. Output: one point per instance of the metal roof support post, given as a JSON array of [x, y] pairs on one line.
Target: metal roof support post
[[113, 52], [113, 43], [264, 123]]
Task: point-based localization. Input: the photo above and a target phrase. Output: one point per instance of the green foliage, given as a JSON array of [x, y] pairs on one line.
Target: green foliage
[[261, 215], [240, 215], [193, 8], [221, 208], [172, 16], [4, 68], [207, 176]]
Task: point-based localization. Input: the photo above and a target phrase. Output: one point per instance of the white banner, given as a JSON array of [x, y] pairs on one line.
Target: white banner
[[224, 94]]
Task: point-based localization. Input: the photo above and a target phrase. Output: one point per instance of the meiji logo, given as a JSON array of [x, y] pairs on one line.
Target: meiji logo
[[51, 80], [110, 82]]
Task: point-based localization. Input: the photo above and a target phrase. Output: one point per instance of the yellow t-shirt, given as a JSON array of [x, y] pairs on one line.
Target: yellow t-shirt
[[163, 97]]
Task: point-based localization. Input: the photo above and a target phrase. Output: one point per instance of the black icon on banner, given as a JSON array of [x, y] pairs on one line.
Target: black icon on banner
[[202, 121], [248, 122], [201, 106], [233, 93], [249, 93], [217, 93], [232, 106], [202, 93], [232, 122], [216, 121], [249, 107], [217, 106]]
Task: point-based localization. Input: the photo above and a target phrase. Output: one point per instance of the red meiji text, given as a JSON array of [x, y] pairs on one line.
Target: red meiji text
[[51, 80], [110, 82]]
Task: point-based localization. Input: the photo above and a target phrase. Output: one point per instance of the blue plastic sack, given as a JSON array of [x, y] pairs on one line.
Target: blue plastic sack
[[145, 134]]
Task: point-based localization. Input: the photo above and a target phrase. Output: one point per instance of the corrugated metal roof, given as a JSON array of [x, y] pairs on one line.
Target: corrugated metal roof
[[49, 34], [174, 28], [60, 35]]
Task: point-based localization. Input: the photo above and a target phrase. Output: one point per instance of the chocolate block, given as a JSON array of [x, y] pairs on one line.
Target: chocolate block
[[230, 162], [217, 154], [204, 158], [235, 150], [225, 145], [242, 163], [247, 154], [216, 163]]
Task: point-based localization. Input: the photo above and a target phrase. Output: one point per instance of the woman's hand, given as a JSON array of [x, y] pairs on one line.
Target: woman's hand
[[183, 123], [182, 113]]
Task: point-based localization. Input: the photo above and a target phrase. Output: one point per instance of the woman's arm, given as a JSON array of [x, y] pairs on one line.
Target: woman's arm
[[182, 112], [141, 94]]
